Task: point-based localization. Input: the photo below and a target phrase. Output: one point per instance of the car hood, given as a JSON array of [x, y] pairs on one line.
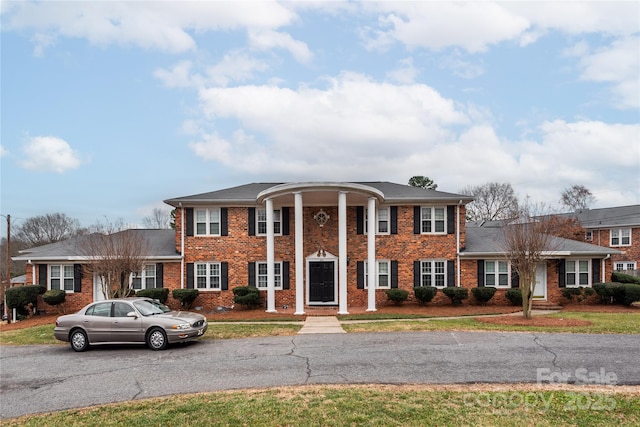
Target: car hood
[[181, 315]]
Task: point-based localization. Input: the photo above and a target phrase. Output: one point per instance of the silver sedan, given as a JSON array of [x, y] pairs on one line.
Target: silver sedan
[[129, 320]]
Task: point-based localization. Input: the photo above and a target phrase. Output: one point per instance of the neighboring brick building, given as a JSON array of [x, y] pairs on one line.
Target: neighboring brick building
[[311, 244], [618, 228]]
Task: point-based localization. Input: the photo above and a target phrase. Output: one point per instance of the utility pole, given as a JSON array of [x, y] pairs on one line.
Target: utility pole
[[8, 282]]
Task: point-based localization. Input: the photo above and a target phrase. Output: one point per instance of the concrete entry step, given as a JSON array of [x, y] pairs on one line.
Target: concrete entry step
[[321, 325]]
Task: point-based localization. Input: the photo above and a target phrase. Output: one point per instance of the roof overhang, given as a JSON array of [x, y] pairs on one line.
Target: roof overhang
[[321, 193]]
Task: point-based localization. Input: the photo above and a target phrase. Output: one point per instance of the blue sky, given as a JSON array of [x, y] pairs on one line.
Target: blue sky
[[108, 108]]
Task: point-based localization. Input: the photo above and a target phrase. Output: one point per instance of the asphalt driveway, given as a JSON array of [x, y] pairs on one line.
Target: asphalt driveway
[[37, 379]]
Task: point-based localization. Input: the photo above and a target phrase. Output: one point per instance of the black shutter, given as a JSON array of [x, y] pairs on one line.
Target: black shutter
[[224, 276], [189, 221], [285, 221], [77, 277], [394, 220], [451, 274], [416, 274], [417, 220], [515, 279], [251, 220], [224, 221], [394, 274], [480, 273], [562, 278], [285, 275], [360, 274], [42, 275], [159, 275], [595, 271], [190, 275], [252, 273], [359, 219], [451, 219]]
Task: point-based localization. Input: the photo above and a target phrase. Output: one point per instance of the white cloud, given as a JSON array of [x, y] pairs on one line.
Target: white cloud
[[618, 64], [235, 66], [49, 154], [269, 39], [406, 73], [163, 26], [3, 151]]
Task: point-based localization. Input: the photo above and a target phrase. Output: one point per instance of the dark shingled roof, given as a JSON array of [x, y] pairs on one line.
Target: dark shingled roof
[[162, 245], [621, 216]]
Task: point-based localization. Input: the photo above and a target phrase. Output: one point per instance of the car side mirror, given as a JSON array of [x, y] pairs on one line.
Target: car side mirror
[[132, 314]]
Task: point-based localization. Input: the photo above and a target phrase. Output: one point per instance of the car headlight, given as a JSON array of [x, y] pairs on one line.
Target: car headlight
[[181, 326]]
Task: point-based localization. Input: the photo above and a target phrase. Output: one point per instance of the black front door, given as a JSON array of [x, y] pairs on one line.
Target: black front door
[[321, 282]]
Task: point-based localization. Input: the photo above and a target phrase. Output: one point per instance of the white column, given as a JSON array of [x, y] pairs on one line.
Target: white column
[[342, 256], [271, 276], [299, 226], [371, 254]]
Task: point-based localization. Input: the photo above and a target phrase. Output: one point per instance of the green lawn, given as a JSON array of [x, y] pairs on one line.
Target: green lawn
[[372, 405], [602, 323]]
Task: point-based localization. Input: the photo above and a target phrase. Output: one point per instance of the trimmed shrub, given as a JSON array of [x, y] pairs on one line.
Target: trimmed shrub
[[246, 295], [483, 294], [24, 298], [425, 294], [185, 296], [604, 292], [56, 298], [618, 277], [456, 295], [398, 296], [514, 296], [160, 294], [579, 294], [618, 293]]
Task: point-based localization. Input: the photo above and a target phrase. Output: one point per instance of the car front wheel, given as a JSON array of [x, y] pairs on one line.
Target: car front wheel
[[157, 339], [78, 340]]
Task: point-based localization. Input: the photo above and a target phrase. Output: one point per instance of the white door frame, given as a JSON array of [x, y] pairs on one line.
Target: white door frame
[[540, 288], [98, 295], [326, 257]]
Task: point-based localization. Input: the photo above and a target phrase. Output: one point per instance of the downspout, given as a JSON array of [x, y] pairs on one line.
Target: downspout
[[603, 273], [181, 245], [458, 243]]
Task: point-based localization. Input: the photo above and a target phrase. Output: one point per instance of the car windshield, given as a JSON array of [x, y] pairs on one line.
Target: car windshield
[[150, 307]]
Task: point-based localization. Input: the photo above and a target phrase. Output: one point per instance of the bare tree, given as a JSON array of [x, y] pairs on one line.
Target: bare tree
[[113, 254], [577, 197], [45, 229], [423, 182], [159, 218], [492, 201], [526, 242]]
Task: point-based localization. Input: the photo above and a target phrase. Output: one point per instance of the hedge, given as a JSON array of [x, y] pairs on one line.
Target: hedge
[[514, 296], [618, 277], [398, 296], [483, 294], [425, 294], [456, 294], [20, 297], [160, 294], [55, 297], [185, 296], [246, 295], [618, 293]]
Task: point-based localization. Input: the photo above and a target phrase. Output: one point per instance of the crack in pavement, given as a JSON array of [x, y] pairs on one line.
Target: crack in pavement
[[306, 360], [539, 343]]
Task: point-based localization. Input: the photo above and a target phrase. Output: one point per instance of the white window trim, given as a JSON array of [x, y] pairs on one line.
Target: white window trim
[[143, 277], [577, 273], [433, 220], [366, 274], [207, 276], [277, 222], [278, 276], [207, 221], [433, 272], [588, 236], [496, 273], [378, 209], [616, 233], [626, 265], [61, 277]]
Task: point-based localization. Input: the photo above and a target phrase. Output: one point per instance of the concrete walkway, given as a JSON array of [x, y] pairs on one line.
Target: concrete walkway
[[321, 325]]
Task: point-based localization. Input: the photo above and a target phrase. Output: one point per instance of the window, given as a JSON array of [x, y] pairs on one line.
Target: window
[[577, 272], [382, 220], [120, 309], [432, 219], [61, 277], [207, 222], [433, 273], [261, 274], [621, 237], [207, 275], [102, 309], [588, 236], [496, 273], [261, 218], [382, 272], [625, 265], [146, 279]]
